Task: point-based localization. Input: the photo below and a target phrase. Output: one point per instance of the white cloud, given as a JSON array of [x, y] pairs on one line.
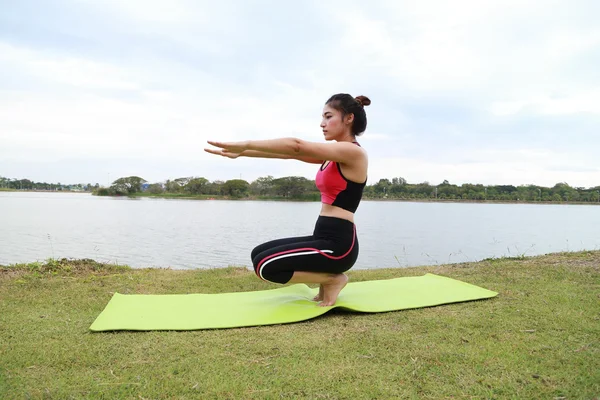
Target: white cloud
[[583, 102], [568, 43], [492, 49], [156, 11], [69, 70]]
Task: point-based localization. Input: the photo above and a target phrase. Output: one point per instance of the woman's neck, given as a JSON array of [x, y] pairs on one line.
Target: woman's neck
[[349, 138]]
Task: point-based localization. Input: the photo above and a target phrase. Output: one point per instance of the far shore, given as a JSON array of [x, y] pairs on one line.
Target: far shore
[[259, 198]]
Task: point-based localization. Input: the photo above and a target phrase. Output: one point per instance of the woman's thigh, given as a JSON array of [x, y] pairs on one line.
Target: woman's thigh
[[276, 243]]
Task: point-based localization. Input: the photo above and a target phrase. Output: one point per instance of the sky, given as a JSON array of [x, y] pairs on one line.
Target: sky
[[489, 92]]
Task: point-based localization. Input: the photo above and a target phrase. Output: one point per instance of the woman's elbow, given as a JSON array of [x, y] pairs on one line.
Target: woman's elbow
[[297, 146]]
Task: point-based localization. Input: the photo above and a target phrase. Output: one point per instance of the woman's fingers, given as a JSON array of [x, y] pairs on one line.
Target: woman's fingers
[[229, 149], [234, 147], [223, 153], [218, 144], [230, 154], [217, 152]]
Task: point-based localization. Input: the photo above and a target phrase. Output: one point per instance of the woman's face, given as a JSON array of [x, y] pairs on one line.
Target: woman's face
[[332, 124]]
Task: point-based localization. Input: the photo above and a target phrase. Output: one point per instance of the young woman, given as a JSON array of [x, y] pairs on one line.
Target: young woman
[[332, 249]]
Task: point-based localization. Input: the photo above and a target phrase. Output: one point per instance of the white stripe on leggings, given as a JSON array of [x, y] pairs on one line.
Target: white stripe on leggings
[[304, 253]]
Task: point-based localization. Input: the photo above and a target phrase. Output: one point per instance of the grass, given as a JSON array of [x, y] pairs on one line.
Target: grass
[[539, 338]]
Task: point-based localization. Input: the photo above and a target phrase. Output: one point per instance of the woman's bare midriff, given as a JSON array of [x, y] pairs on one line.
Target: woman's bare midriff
[[327, 210]]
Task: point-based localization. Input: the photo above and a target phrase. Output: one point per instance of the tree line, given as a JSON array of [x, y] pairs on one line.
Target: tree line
[[26, 184], [300, 188]]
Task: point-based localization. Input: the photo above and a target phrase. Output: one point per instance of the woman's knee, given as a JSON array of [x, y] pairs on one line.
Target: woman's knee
[[256, 251], [253, 254], [269, 270]]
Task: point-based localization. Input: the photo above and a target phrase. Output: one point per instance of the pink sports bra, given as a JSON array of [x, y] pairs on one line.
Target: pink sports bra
[[336, 189]]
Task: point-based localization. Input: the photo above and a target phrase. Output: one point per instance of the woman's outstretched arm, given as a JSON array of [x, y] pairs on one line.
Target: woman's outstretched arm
[[262, 154], [341, 152]]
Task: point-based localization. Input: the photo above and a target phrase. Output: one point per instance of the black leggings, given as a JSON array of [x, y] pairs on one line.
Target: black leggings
[[332, 248]]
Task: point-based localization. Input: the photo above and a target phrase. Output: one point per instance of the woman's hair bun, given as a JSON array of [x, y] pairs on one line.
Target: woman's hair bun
[[363, 100]]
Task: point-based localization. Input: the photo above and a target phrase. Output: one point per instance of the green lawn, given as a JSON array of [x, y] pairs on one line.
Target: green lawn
[[539, 338]]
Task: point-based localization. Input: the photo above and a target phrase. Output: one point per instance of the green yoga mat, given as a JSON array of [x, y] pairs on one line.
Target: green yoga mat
[[277, 306]]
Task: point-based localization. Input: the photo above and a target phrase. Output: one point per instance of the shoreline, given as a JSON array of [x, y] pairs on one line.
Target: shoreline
[[51, 261], [255, 198]]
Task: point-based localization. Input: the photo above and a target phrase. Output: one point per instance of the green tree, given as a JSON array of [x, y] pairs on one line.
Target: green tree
[[382, 187], [236, 188], [24, 184], [262, 186], [128, 185], [183, 181], [445, 190], [424, 190], [175, 186], [215, 187], [556, 197], [398, 181], [196, 186], [291, 186], [156, 188]]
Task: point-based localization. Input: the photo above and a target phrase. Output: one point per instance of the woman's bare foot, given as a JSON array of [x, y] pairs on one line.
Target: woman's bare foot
[[319, 297], [332, 289]]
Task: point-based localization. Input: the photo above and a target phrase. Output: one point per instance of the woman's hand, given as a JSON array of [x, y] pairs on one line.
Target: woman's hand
[[223, 153], [231, 147], [227, 149]]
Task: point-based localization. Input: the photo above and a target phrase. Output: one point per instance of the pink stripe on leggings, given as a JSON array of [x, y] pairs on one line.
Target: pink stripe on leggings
[[305, 249]]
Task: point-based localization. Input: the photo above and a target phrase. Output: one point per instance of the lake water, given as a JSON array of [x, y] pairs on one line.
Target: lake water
[[217, 233]]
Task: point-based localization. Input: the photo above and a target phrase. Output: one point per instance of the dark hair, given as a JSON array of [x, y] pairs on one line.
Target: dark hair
[[347, 104]]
